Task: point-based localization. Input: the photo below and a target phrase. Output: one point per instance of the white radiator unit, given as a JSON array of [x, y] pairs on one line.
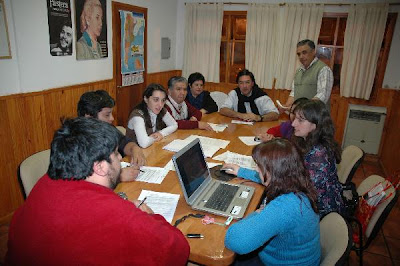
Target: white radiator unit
[[364, 127]]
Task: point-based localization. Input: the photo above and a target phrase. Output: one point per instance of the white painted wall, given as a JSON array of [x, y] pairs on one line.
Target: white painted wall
[[32, 68], [392, 74]]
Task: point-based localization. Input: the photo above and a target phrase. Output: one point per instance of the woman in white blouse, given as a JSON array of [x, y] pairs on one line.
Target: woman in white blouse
[[149, 121]]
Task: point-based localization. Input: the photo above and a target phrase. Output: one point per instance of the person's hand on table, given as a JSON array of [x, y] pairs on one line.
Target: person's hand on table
[[129, 173], [264, 137], [137, 157], [205, 126], [249, 117], [143, 207], [157, 136], [234, 167]]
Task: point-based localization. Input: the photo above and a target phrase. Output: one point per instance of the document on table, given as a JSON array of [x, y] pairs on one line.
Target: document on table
[[177, 144], [235, 158], [209, 141], [161, 203], [242, 122], [152, 174], [170, 165], [249, 141], [218, 127]]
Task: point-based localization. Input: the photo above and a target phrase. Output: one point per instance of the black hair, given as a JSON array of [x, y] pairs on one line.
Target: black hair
[[195, 77], [315, 111], [91, 102], [245, 72], [281, 162], [143, 106], [310, 43], [78, 144], [175, 79]]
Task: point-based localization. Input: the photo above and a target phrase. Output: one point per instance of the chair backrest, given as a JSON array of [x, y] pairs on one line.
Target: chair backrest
[[352, 157], [219, 97], [383, 209], [33, 168], [122, 129], [335, 239]]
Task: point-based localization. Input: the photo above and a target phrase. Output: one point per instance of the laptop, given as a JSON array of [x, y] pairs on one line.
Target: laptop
[[202, 192]]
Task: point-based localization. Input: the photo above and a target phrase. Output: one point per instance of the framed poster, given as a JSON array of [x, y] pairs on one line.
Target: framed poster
[[5, 50]]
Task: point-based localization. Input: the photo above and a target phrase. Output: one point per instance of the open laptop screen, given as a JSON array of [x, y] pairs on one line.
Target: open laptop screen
[[193, 168]]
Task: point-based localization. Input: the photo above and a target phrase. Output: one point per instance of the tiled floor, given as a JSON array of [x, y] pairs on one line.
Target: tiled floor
[[384, 250]]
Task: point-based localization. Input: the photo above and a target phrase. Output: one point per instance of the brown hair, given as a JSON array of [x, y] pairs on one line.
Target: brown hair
[[280, 160]]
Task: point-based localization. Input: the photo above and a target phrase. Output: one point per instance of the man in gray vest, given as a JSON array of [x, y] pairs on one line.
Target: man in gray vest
[[314, 79]]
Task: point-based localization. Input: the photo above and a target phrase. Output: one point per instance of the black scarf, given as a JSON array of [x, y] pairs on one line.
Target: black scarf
[[256, 93]]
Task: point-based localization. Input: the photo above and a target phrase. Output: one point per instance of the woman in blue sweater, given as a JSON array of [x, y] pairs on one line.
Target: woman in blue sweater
[[285, 230]]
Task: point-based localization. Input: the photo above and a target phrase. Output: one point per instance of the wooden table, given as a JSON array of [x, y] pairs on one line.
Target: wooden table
[[210, 250]]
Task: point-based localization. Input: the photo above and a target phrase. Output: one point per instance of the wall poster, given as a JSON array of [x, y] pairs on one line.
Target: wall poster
[[5, 50], [60, 27]]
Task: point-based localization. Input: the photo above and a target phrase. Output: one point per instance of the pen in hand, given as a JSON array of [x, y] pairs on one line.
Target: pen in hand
[[140, 204]]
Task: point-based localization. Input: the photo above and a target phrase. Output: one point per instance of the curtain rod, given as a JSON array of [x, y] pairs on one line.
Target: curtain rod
[[282, 4]]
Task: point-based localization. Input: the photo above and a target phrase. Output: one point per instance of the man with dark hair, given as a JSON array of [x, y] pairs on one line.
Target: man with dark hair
[[314, 79], [185, 114], [73, 216], [99, 104], [64, 44], [248, 102]]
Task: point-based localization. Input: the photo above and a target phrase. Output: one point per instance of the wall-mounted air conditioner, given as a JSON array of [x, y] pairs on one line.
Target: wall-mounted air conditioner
[[364, 127]]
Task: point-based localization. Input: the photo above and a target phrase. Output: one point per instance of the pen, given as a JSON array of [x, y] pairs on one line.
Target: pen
[[194, 236], [140, 204]]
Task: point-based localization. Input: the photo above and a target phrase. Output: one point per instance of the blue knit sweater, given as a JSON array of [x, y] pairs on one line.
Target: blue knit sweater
[[286, 230]]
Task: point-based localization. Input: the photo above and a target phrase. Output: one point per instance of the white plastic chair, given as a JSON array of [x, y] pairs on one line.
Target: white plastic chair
[[32, 169], [219, 97], [352, 157]]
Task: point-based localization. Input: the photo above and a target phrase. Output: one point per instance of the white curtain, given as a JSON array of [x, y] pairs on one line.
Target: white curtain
[[203, 27], [261, 44], [362, 42], [296, 22]]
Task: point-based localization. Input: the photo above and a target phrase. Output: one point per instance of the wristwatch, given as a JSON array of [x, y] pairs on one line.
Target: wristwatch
[[122, 195]]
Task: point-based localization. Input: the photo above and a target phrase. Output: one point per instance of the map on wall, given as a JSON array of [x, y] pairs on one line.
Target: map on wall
[[132, 42]]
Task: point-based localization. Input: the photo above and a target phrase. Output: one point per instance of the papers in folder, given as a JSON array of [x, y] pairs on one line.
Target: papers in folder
[[161, 203]]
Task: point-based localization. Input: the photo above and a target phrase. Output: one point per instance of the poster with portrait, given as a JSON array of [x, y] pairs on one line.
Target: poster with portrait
[[60, 27], [91, 29]]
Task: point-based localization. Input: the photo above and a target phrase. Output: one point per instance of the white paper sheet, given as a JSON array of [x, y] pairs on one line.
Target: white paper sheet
[[249, 141], [235, 158], [218, 127], [242, 122], [170, 165], [152, 174], [209, 141], [177, 144], [161, 203]]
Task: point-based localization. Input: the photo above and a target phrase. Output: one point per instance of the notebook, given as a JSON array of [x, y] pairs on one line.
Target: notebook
[[204, 193]]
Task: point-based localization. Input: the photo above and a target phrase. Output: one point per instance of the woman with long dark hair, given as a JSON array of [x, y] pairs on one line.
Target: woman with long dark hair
[[149, 121], [314, 135], [285, 230]]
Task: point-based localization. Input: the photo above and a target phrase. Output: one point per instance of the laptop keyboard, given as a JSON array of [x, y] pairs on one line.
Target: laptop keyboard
[[222, 197]]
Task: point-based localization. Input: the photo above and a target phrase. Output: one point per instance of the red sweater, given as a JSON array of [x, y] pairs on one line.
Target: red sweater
[[187, 124], [78, 222]]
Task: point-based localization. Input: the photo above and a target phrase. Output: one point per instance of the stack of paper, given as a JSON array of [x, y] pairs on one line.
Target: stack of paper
[[161, 203], [209, 141], [177, 144], [235, 158]]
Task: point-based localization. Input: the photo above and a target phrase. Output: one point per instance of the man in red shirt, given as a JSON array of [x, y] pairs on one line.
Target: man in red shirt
[[187, 116], [73, 217]]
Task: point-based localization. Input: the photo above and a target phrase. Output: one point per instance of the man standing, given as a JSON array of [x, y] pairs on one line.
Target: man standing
[[248, 102], [99, 104], [314, 79], [187, 116], [73, 216]]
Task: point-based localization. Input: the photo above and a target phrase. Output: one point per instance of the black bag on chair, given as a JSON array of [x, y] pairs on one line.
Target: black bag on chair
[[350, 199]]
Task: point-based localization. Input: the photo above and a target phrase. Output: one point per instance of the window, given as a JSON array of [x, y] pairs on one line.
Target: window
[[232, 58], [331, 42]]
